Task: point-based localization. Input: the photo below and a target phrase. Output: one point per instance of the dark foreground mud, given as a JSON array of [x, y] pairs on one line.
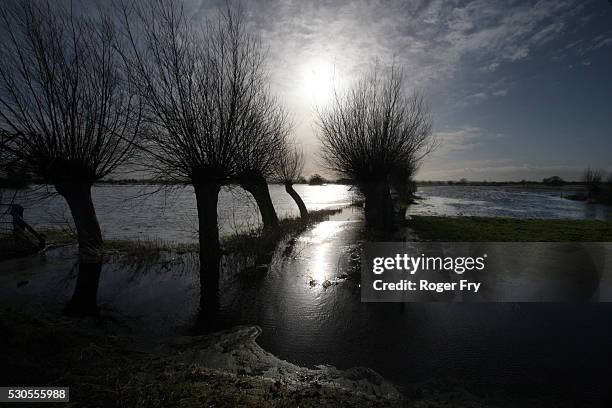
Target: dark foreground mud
[[222, 369]]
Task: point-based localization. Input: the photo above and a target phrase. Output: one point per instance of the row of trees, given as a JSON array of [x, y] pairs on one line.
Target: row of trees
[[81, 95]]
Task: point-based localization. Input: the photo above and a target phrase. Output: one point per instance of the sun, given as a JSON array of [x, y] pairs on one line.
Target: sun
[[318, 81]]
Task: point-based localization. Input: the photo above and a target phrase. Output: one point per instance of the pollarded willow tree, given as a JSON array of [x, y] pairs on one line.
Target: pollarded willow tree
[[211, 118], [69, 112], [402, 181], [593, 179], [261, 144], [373, 131], [288, 170]]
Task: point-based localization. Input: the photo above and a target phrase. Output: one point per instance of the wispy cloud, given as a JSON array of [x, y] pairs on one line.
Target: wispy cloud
[[503, 169], [429, 37], [464, 138], [501, 92], [601, 42]]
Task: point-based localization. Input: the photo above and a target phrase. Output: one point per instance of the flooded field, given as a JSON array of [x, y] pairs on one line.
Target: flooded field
[[308, 305], [169, 214], [499, 201]]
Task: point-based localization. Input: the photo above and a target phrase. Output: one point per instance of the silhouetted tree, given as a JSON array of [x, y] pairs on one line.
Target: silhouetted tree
[[371, 130], [262, 145], [289, 167], [593, 178], [70, 112], [553, 181], [401, 180], [210, 114], [316, 180]]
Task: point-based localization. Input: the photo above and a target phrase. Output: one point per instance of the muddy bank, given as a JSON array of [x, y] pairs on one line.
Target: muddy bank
[[222, 369], [114, 360]]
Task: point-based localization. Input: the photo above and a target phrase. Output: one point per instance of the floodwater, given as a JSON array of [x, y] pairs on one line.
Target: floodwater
[[169, 214], [502, 201], [533, 354]]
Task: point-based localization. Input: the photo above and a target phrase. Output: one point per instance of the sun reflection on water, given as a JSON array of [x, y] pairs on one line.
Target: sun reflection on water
[[320, 264], [322, 235]]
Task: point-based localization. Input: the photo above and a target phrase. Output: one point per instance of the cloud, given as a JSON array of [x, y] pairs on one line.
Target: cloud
[[602, 42], [515, 53], [465, 138], [492, 67], [430, 38], [548, 33], [501, 169], [477, 97]]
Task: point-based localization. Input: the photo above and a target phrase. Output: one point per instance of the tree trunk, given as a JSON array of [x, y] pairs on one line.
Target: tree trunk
[[298, 200], [78, 197], [256, 184], [207, 196], [379, 212], [403, 198]]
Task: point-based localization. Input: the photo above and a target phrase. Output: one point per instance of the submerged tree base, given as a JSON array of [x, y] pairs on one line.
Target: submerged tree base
[[84, 298]]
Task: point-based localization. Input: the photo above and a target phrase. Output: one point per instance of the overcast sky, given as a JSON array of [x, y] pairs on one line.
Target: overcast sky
[[519, 90]]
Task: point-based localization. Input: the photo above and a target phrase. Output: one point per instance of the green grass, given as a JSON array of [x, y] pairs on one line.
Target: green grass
[[473, 229]]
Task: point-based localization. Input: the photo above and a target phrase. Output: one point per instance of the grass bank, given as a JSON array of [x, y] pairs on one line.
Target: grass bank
[[259, 240], [474, 229], [249, 242]]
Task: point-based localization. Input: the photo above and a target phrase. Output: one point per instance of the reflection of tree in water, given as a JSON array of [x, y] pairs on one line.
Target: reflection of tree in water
[[84, 300]]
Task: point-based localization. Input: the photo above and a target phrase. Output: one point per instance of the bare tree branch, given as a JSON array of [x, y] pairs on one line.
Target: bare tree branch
[[374, 130], [71, 114]]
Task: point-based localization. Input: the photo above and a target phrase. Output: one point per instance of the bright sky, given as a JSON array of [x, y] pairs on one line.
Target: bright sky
[[518, 89]]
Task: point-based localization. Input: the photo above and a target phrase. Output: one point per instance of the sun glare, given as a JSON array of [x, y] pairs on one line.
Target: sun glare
[[318, 80]]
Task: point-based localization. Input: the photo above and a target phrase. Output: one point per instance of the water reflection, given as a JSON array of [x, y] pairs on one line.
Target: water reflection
[[520, 349], [84, 301], [504, 202], [145, 211], [322, 263]]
